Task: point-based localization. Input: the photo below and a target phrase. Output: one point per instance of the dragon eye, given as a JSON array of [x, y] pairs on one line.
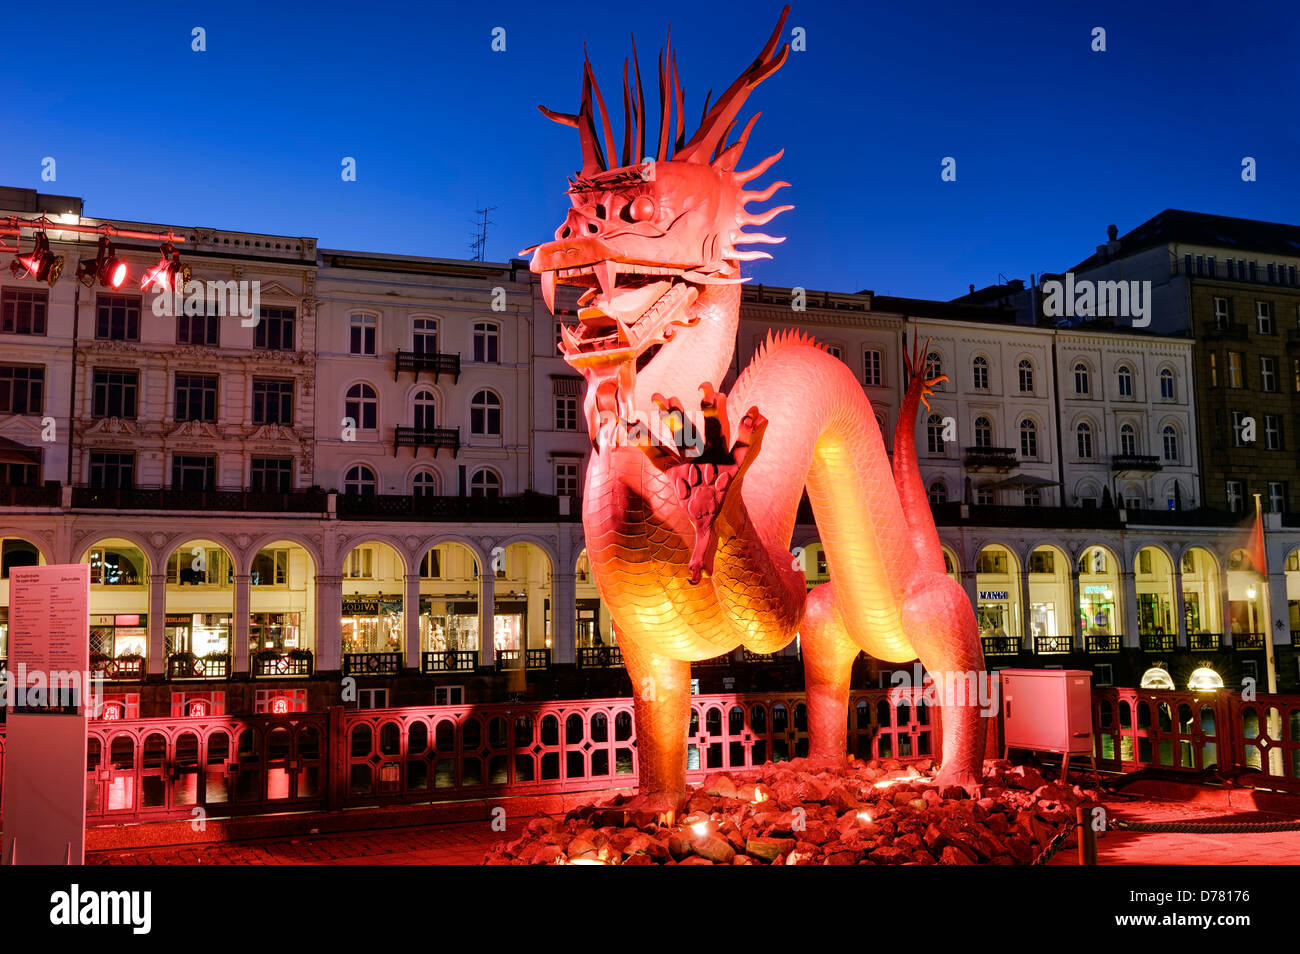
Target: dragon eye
[[641, 209]]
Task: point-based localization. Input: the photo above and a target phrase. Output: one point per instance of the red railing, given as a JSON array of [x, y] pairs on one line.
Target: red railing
[[153, 769], [1188, 731]]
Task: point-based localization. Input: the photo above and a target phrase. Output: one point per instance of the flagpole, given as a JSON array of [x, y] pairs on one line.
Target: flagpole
[[1270, 661]]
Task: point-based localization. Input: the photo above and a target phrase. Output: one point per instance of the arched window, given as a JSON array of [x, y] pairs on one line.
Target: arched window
[[983, 432], [985, 497], [485, 483], [980, 373], [360, 479], [934, 441], [1127, 440], [1083, 440], [1125, 380], [364, 334], [1168, 388], [1028, 439], [424, 336], [1081, 378], [424, 484], [938, 492], [486, 335], [485, 414], [424, 409], [1033, 497], [1170, 437], [362, 407], [933, 365], [1026, 376]]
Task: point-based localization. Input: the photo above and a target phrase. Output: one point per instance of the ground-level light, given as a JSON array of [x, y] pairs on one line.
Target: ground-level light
[[1157, 678], [1205, 679]]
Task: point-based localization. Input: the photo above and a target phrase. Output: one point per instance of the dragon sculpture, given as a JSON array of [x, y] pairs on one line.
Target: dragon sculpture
[[689, 508]]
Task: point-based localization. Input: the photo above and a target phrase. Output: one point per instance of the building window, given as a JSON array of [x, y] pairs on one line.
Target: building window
[[1026, 376], [983, 432], [1033, 497], [1127, 440], [424, 336], [984, 497], [117, 317], [1264, 317], [560, 324], [22, 389], [1168, 388], [980, 373], [1267, 373], [362, 407], [272, 402], [566, 413], [363, 334], [22, 311], [431, 565], [1170, 437], [566, 479], [424, 412], [1125, 381], [113, 393], [1214, 372], [1236, 492], [1295, 374], [198, 329], [1222, 310], [1272, 432], [1080, 378], [1235, 378], [196, 397], [835, 351], [360, 480], [1238, 427], [934, 434], [111, 471], [872, 373], [486, 335], [1083, 440], [938, 492], [485, 414], [424, 484], [193, 472], [360, 564], [1276, 497], [274, 329], [1028, 439], [485, 483], [270, 568], [271, 475], [933, 365]]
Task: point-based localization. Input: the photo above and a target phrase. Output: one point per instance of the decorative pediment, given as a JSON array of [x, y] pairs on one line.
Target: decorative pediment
[[195, 429], [113, 425], [274, 433], [274, 289]]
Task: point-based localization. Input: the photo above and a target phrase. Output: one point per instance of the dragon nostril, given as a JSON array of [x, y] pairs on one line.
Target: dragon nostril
[[593, 227], [566, 232]]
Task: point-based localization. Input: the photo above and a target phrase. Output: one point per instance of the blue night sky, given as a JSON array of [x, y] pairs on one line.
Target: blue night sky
[[1052, 141]]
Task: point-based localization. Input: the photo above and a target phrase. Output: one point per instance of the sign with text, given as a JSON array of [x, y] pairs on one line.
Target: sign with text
[[49, 635]]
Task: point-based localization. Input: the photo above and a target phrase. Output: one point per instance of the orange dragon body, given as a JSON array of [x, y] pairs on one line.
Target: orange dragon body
[[689, 507]]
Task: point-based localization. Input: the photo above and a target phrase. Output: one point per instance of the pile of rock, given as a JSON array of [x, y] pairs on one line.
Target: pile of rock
[[801, 812]]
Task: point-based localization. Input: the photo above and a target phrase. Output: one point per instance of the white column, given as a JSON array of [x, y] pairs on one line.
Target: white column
[[487, 588], [157, 661], [329, 623], [411, 620], [239, 652]]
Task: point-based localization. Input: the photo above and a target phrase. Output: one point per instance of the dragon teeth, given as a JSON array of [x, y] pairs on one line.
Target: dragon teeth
[[548, 290]]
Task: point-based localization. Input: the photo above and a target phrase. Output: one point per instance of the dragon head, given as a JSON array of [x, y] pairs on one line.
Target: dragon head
[[648, 238]]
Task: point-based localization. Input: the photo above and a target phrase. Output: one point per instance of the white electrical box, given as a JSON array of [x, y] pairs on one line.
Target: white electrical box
[[1047, 710]]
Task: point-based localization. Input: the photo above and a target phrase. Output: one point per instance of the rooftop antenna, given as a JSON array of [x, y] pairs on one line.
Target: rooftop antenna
[[480, 237]]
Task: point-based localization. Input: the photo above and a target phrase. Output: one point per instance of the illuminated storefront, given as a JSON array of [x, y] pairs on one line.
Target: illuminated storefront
[[200, 604], [1049, 598], [372, 625], [278, 632], [448, 625], [510, 625], [997, 581], [1099, 594], [119, 607], [1153, 580], [120, 635], [1201, 593]]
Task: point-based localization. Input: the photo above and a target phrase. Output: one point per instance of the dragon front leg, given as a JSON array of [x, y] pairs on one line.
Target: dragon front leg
[[661, 691], [828, 655], [940, 623]]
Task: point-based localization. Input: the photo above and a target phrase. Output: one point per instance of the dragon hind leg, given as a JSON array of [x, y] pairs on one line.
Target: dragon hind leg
[[828, 655], [661, 690], [940, 623]]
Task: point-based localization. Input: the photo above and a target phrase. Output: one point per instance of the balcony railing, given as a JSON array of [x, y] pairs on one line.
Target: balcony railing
[[997, 458], [1103, 643], [599, 657], [1247, 641], [294, 664], [188, 666], [525, 508], [510, 659], [372, 664], [1157, 642], [449, 660], [439, 438], [436, 363], [241, 501], [1204, 642], [1134, 462], [46, 495], [537, 658], [1001, 645], [1051, 645], [118, 668]]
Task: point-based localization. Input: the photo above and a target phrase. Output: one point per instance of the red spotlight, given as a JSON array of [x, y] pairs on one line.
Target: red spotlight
[[107, 268], [42, 264], [169, 274]]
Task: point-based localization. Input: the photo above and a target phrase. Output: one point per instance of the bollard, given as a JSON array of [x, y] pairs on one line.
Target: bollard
[[1087, 838]]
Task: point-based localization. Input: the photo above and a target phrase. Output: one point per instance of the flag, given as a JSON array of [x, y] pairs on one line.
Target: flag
[[1254, 545]]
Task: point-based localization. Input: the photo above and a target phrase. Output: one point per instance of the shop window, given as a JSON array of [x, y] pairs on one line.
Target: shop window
[[992, 562], [1042, 561], [360, 564], [113, 566], [200, 566], [270, 568], [274, 632]]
